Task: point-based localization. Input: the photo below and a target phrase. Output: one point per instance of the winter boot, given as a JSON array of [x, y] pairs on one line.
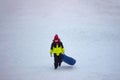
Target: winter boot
[[55, 65]]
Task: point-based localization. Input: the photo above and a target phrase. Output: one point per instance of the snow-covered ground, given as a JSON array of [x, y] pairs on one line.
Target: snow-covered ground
[[89, 30]]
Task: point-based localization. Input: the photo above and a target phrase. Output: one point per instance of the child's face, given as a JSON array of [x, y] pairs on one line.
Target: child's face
[[56, 41]]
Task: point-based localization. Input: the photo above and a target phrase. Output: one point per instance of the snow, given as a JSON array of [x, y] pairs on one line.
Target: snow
[[89, 30]]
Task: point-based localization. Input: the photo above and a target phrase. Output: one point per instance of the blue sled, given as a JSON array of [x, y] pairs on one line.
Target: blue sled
[[68, 60]]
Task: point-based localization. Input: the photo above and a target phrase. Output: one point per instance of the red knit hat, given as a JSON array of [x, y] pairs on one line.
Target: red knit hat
[[56, 37]]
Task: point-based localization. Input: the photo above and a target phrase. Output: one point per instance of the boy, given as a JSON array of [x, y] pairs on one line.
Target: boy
[[57, 49]]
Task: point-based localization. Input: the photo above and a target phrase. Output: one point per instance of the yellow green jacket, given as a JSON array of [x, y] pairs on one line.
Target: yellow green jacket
[[57, 48]]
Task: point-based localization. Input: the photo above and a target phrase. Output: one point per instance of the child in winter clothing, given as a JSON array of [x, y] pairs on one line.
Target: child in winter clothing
[[57, 49]]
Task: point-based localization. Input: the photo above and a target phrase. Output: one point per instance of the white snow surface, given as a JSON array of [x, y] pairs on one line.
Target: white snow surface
[[89, 30]]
